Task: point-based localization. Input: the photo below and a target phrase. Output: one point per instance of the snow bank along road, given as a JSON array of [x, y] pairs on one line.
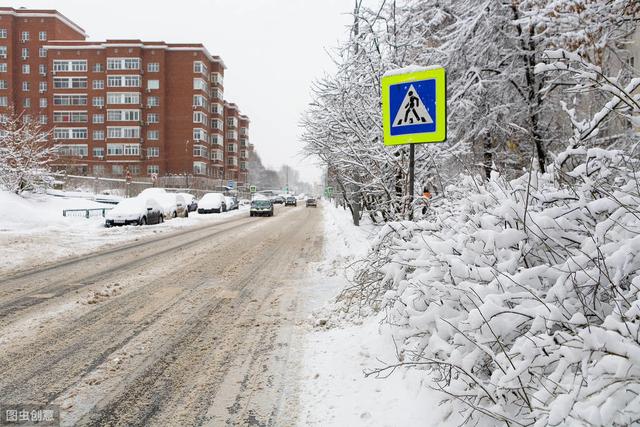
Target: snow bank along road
[[192, 328]]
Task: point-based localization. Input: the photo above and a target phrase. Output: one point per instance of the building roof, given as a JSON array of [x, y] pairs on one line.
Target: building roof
[[42, 13], [82, 44]]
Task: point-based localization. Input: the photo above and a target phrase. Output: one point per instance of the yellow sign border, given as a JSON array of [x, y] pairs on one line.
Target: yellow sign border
[[440, 134]]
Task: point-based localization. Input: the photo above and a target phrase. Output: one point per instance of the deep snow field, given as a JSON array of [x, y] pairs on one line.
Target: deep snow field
[[34, 232], [334, 390]]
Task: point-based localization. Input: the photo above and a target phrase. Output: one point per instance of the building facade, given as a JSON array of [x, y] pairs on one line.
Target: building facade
[[121, 106]]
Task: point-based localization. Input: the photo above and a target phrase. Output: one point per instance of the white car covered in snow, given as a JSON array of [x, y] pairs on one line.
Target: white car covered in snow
[[212, 202], [136, 210], [173, 205]]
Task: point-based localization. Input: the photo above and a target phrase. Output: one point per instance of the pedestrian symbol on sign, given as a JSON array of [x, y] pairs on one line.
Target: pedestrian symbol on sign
[[412, 110]]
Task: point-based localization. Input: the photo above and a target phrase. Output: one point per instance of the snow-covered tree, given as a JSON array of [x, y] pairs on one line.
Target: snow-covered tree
[[25, 153]]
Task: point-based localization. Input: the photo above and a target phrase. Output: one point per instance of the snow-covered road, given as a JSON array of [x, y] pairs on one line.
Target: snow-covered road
[[198, 326]]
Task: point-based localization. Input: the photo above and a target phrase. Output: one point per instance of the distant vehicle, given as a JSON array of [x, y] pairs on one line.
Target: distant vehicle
[[212, 202], [278, 200], [172, 204], [191, 201], [261, 208], [311, 202], [232, 202], [136, 210], [291, 201]]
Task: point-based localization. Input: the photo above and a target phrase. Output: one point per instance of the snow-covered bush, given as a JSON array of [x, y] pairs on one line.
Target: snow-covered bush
[[25, 154], [523, 296]]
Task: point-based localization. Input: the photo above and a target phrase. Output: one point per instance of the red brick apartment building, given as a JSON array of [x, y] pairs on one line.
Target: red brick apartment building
[[121, 105]]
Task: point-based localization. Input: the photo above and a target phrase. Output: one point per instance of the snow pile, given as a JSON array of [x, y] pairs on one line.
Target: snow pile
[[521, 297]]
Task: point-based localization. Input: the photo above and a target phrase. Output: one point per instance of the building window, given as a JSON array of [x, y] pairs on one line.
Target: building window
[[216, 108], [123, 115], [42, 52], [4, 101], [199, 168], [3, 52], [70, 82], [216, 155], [69, 99], [98, 152], [153, 67], [215, 139], [216, 78], [153, 152], [153, 169], [123, 63], [200, 151], [26, 69], [43, 103], [153, 84], [216, 93], [200, 117], [216, 124], [97, 84], [73, 65], [134, 169], [25, 86], [97, 68], [199, 101], [123, 98], [80, 150], [232, 148], [199, 67], [43, 119], [98, 135], [70, 117], [123, 81], [26, 103], [3, 67], [98, 170], [153, 134], [70, 133], [42, 36], [153, 101], [4, 84], [42, 87], [117, 169], [123, 149], [232, 134], [200, 135], [98, 118], [200, 84], [24, 36], [123, 132], [98, 101], [152, 118], [3, 33], [25, 53], [42, 69]]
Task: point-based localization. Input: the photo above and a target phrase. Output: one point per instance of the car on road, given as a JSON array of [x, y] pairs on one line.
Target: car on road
[[232, 202], [291, 201], [173, 205], [261, 208], [278, 200], [136, 210], [212, 202], [191, 201], [311, 202]]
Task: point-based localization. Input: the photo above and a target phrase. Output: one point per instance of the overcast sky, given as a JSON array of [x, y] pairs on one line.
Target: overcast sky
[[273, 50]]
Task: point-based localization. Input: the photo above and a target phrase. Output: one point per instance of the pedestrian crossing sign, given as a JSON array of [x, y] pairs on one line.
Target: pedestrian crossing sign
[[414, 107]]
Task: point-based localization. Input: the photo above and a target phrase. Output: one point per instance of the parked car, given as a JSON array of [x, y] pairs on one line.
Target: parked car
[[191, 201], [291, 201], [261, 208], [232, 202], [136, 210], [172, 204], [311, 202], [278, 200], [212, 202]]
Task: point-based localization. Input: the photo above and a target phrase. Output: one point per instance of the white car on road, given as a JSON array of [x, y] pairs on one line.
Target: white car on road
[[212, 202], [136, 210]]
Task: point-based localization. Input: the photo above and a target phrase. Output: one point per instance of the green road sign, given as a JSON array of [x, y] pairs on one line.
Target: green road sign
[[252, 188], [414, 107]]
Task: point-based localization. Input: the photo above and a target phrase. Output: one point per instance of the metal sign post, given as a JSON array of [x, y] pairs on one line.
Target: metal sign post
[[414, 110]]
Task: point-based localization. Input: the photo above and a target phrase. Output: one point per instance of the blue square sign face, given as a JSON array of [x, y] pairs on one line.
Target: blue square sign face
[[412, 107]]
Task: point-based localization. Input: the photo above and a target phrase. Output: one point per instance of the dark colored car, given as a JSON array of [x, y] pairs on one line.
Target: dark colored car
[[278, 200], [312, 202], [261, 208], [291, 201], [191, 201]]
